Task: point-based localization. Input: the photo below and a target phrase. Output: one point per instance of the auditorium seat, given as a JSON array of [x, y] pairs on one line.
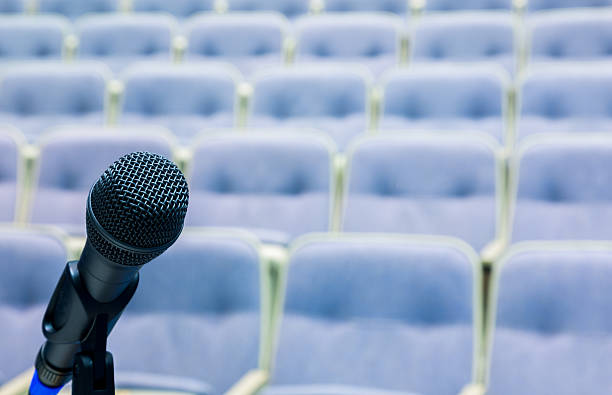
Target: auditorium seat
[[399, 7], [566, 98], [76, 8], [423, 183], [445, 97], [369, 39], [11, 172], [72, 159], [536, 5], [290, 8], [196, 312], [35, 97], [553, 333], [563, 188], [32, 37], [329, 390], [465, 37], [571, 35], [120, 39], [278, 185], [454, 5], [31, 264], [394, 313], [250, 41], [330, 98], [12, 6], [178, 8], [185, 98]]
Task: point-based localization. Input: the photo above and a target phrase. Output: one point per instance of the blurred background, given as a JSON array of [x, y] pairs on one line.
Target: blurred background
[[386, 196]]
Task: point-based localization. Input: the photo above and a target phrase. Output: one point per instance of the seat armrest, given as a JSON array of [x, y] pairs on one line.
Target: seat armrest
[[473, 389], [18, 385], [250, 383], [492, 252]]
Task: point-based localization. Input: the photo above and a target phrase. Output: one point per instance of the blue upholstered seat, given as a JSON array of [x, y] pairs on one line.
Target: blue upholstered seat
[[37, 97], [369, 39], [10, 172], [121, 39], [11, 6], [536, 5], [465, 37], [564, 188], [178, 8], [566, 98], [185, 98], [329, 390], [32, 37], [277, 184], [445, 97], [250, 41], [31, 264], [454, 5], [554, 330], [71, 161], [423, 183], [195, 313], [394, 6], [571, 35], [377, 311], [76, 8], [329, 98], [290, 8]]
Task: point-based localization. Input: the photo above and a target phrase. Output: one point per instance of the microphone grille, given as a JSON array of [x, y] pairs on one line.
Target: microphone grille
[[140, 200]]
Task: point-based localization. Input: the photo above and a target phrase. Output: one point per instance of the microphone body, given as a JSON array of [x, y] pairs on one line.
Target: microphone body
[[134, 213]]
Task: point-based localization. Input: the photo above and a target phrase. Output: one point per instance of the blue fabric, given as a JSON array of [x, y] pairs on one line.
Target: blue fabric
[[195, 314], [459, 37], [30, 267], [290, 8], [564, 190], [332, 99], [35, 98], [534, 5], [76, 8], [11, 6], [572, 98], [185, 98], [121, 39], [178, 8], [9, 162], [71, 162], [39, 37], [156, 382], [250, 42], [391, 314], [406, 184], [369, 39], [38, 388], [394, 6], [571, 35], [275, 182], [554, 322], [444, 98], [454, 5], [327, 390]]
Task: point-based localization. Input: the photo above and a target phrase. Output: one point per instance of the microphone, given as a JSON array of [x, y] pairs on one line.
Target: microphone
[[135, 211]]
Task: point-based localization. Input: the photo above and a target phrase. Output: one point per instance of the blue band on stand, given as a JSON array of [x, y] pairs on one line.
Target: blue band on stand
[[38, 388]]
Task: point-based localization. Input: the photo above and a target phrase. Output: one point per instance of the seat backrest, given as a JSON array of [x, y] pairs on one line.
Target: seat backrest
[[31, 90], [31, 264], [25, 37], [395, 6], [195, 89], [290, 8], [76, 8], [310, 92], [138, 35], [578, 35], [463, 36], [570, 91], [349, 300], [535, 5], [444, 92], [453, 5], [352, 35], [236, 35], [178, 8], [11, 6]]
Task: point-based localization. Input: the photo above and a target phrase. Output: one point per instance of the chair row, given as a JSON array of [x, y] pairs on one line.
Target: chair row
[[339, 315], [256, 41], [281, 185]]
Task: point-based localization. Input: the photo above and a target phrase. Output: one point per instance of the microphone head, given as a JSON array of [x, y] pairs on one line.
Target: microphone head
[[136, 209]]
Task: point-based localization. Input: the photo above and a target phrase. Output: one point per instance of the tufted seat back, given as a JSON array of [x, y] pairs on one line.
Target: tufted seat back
[[76, 8], [453, 5], [40, 37], [178, 8], [289, 8], [393, 6], [535, 5]]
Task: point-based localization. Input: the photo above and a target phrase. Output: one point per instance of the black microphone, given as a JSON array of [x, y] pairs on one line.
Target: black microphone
[[135, 211]]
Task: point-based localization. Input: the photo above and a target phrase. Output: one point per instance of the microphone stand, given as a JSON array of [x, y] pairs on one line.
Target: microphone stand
[[93, 370]]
